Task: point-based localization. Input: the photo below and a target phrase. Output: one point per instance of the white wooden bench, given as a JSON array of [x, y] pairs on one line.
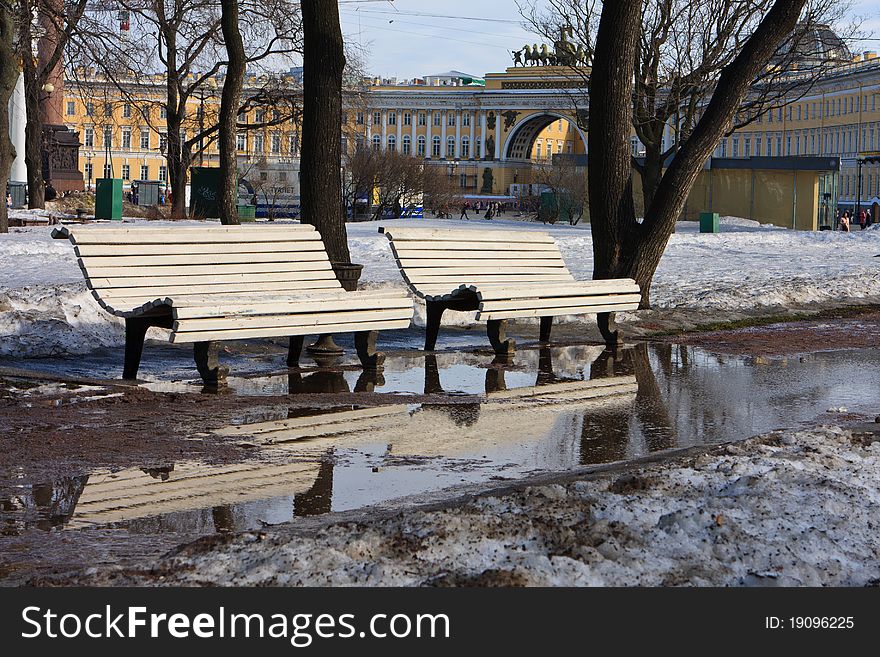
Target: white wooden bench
[[502, 275], [211, 283]]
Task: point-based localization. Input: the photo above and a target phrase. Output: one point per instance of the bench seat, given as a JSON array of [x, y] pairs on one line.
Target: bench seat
[[208, 284], [502, 275]]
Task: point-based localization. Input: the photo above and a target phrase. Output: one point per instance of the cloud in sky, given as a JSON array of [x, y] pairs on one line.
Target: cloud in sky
[[399, 44]]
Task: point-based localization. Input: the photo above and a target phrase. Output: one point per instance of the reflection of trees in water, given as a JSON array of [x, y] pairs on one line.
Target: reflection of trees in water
[[43, 506], [463, 415], [605, 434]]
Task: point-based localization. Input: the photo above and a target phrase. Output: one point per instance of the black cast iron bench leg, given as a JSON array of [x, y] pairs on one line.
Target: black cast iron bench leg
[[206, 355], [365, 344], [500, 343], [135, 334]]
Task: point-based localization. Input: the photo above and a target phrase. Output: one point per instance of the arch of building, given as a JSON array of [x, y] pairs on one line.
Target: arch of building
[[521, 139]]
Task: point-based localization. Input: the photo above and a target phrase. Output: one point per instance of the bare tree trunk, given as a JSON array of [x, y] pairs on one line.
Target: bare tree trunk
[[229, 100], [8, 79], [621, 246], [610, 170], [33, 132], [174, 116], [323, 65]]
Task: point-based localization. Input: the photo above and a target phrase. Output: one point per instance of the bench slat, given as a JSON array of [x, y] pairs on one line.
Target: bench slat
[[187, 271], [203, 259], [201, 291], [315, 319], [464, 245], [136, 282], [573, 310], [559, 302], [454, 281], [293, 306], [505, 291], [206, 336], [177, 237], [441, 234], [235, 248], [467, 273], [475, 265]]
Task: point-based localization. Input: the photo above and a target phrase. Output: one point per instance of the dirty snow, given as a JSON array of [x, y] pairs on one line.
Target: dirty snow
[[45, 310], [796, 508]]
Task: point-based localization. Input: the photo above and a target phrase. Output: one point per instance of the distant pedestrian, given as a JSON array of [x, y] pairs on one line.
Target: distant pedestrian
[[464, 211], [844, 222], [863, 219]]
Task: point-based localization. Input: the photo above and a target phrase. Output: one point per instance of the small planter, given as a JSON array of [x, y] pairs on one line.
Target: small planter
[[348, 274]]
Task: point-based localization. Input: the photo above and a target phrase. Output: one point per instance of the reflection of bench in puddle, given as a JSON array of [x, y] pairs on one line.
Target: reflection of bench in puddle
[[135, 493]]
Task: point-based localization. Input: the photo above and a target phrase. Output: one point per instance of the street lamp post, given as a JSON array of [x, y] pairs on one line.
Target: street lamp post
[[89, 167]]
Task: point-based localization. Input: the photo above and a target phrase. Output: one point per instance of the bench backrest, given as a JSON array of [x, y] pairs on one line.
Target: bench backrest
[[435, 259], [127, 267]]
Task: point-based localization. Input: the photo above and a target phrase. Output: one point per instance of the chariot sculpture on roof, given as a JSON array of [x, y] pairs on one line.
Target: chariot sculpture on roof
[[564, 52]]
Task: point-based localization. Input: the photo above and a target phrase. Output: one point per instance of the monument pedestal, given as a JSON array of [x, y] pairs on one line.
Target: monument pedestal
[[61, 158]]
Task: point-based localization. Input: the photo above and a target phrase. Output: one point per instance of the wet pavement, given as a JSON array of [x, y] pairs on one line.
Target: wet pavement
[[344, 440]]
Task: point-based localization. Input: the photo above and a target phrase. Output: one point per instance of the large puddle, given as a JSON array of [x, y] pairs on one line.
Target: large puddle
[[547, 410]]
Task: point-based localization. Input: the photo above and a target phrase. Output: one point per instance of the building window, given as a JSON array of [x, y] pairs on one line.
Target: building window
[[423, 118], [797, 145], [276, 144], [450, 118], [145, 139], [421, 146], [108, 110], [360, 118], [163, 142], [438, 119], [108, 170], [435, 146], [71, 107], [89, 170], [260, 116], [478, 148], [758, 146], [89, 138], [450, 147], [241, 142], [377, 118], [466, 120], [778, 146], [377, 143], [748, 147], [163, 173], [538, 150], [126, 111], [108, 137], [163, 112], [293, 146], [736, 147], [126, 172], [392, 143], [258, 144], [392, 118], [90, 109], [145, 172], [407, 145], [723, 148], [465, 147], [407, 118], [126, 139]]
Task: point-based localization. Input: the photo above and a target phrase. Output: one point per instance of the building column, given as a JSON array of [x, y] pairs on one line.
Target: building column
[[472, 153], [457, 114], [497, 135], [384, 130], [443, 121], [400, 132], [414, 144], [482, 154], [429, 114]]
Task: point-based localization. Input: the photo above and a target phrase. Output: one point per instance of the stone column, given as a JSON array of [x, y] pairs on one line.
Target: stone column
[[384, 130], [473, 154], [497, 134], [482, 154], [400, 132], [429, 114], [415, 135], [443, 122], [458, 134]]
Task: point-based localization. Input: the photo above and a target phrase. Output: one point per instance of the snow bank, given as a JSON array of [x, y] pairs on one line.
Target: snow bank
[[798, 508], [748, 265]]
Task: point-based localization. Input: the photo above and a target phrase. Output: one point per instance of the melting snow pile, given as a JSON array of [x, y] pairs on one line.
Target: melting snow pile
[[43, 308], [797, 508]]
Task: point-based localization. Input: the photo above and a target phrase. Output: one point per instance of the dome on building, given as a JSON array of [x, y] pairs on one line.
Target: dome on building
[[814, 44]]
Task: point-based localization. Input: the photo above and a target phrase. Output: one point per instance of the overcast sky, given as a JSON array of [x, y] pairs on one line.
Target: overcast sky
[[404, 45]]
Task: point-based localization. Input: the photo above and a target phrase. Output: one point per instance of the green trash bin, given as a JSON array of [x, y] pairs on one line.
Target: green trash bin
[[709, 222], [205, 192], [247, 212], [108, 198]]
